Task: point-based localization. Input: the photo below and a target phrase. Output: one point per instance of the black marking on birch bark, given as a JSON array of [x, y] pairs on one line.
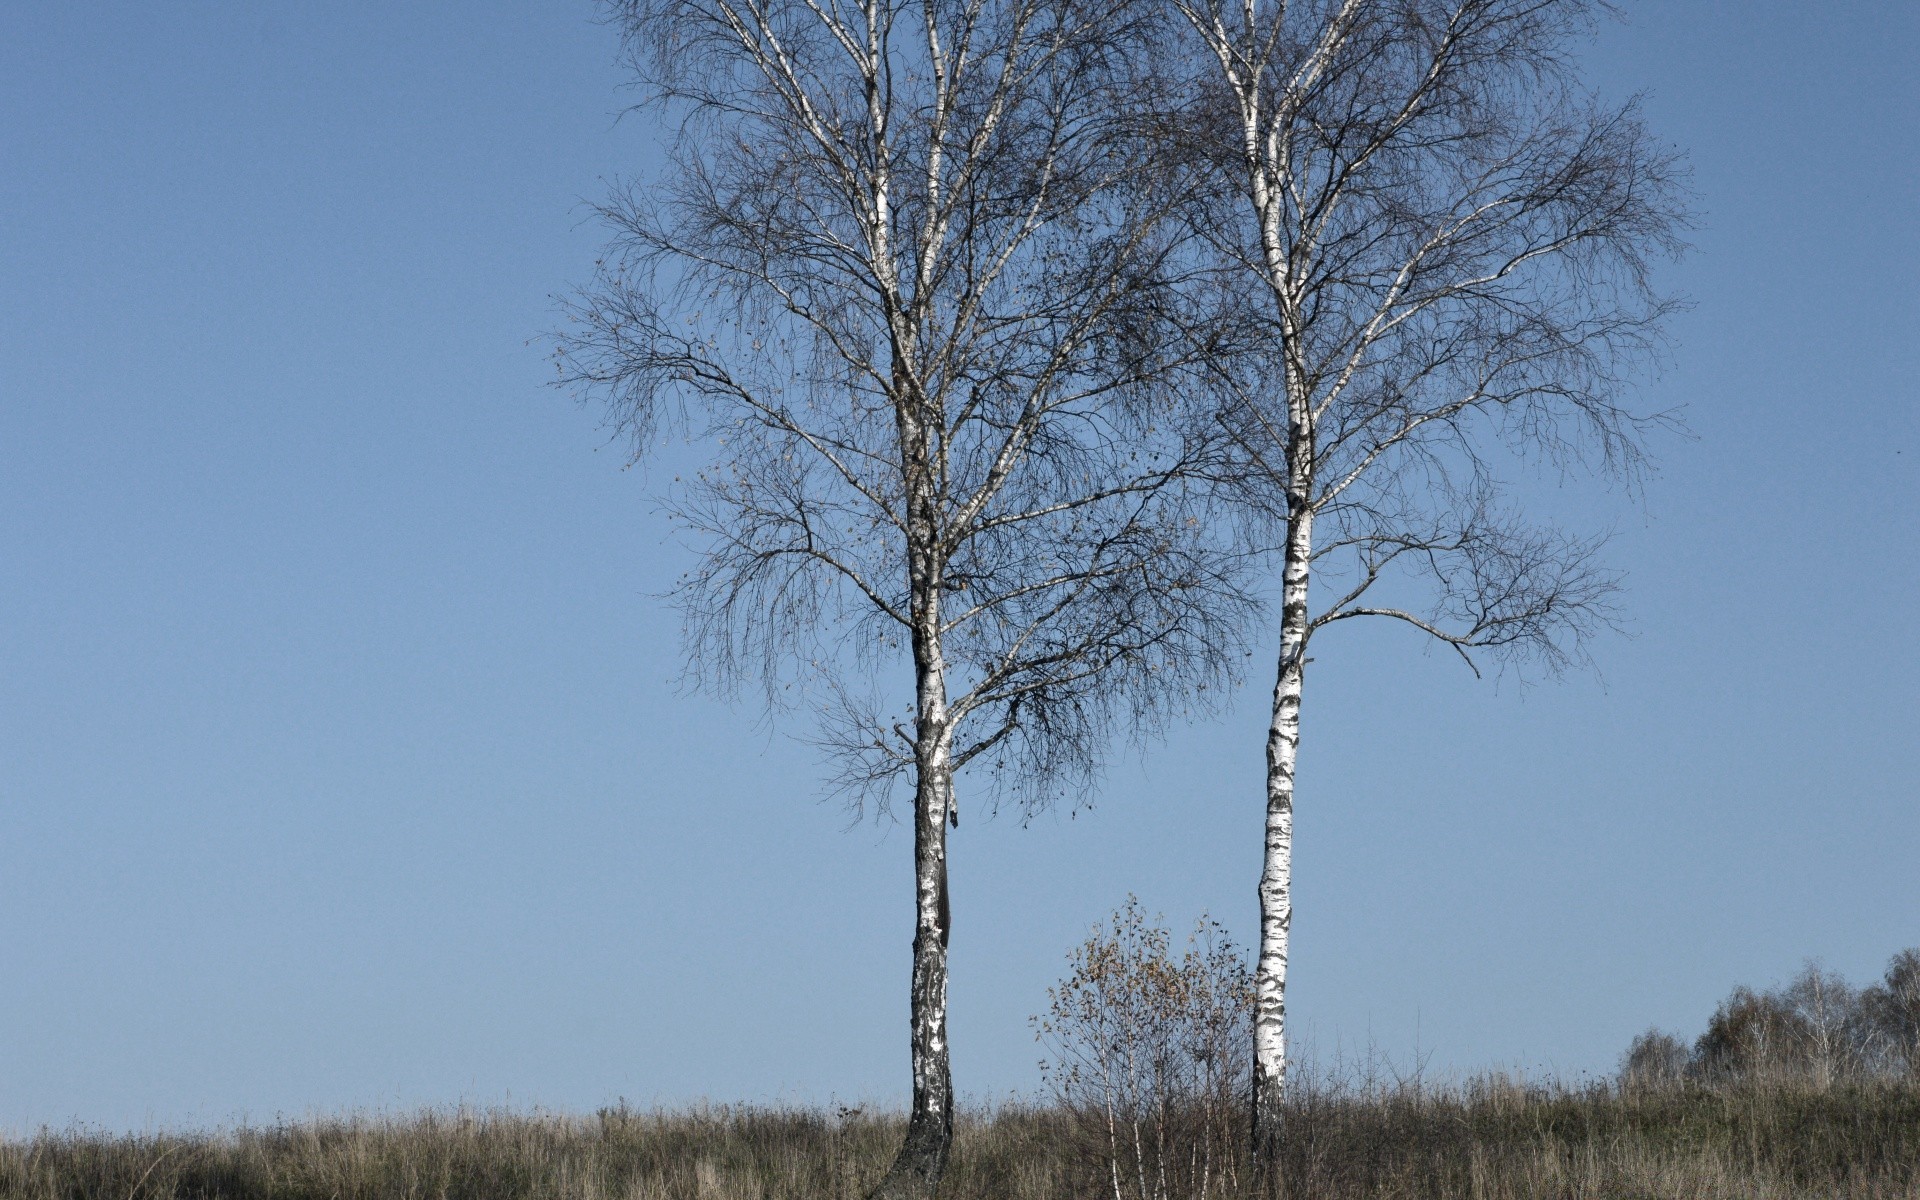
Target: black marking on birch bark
[[946, 916]]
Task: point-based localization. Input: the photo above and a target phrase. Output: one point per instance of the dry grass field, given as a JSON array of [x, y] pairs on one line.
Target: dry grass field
[[1808, 1090], [1492, 1138]]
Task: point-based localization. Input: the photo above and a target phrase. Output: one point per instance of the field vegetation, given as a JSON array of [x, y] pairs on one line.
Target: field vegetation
[[1808, 1090], [1491, 1138]]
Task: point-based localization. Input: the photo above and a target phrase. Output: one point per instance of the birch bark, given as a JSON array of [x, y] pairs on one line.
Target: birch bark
[[1276, 876], [923, 1155], [917, 1168], [1269, 168]]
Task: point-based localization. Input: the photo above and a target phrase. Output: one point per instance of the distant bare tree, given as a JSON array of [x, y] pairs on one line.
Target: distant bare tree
[[1653, 1059], [1809, 1031], [1828, 1010], [1891, 1012], [1443, 248], [901, 273]]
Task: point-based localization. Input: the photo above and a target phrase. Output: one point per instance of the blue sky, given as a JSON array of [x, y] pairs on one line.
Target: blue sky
[[341, 764]]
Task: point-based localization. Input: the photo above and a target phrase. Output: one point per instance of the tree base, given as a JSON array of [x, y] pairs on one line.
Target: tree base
[[1266, 1163], [916, 1170]]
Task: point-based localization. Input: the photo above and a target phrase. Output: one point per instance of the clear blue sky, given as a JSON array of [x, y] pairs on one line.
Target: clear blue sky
[[340, 764]]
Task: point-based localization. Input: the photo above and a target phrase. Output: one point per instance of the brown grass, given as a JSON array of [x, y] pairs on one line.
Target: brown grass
[[1491, 1139]]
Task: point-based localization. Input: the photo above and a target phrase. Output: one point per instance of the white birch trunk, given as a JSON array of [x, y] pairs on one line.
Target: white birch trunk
[[1276, 876], [922, 1159], [923, 1155], [1268, 167]]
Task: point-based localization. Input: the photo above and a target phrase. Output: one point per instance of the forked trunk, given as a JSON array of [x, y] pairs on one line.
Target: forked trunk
[[1276, 876]]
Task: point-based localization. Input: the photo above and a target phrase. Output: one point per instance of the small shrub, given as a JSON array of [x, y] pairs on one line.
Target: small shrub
[[1148, 1057]]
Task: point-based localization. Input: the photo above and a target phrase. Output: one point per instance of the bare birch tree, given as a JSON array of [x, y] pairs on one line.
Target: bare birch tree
[[901, 273], [1443, 244]]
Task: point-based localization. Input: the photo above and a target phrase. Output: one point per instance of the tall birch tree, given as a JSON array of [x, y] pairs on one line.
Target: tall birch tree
[[903, 275], [1443, 244]]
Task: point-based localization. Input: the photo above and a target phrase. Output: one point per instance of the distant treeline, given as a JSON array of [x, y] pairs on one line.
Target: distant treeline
[[1818, 1028]]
